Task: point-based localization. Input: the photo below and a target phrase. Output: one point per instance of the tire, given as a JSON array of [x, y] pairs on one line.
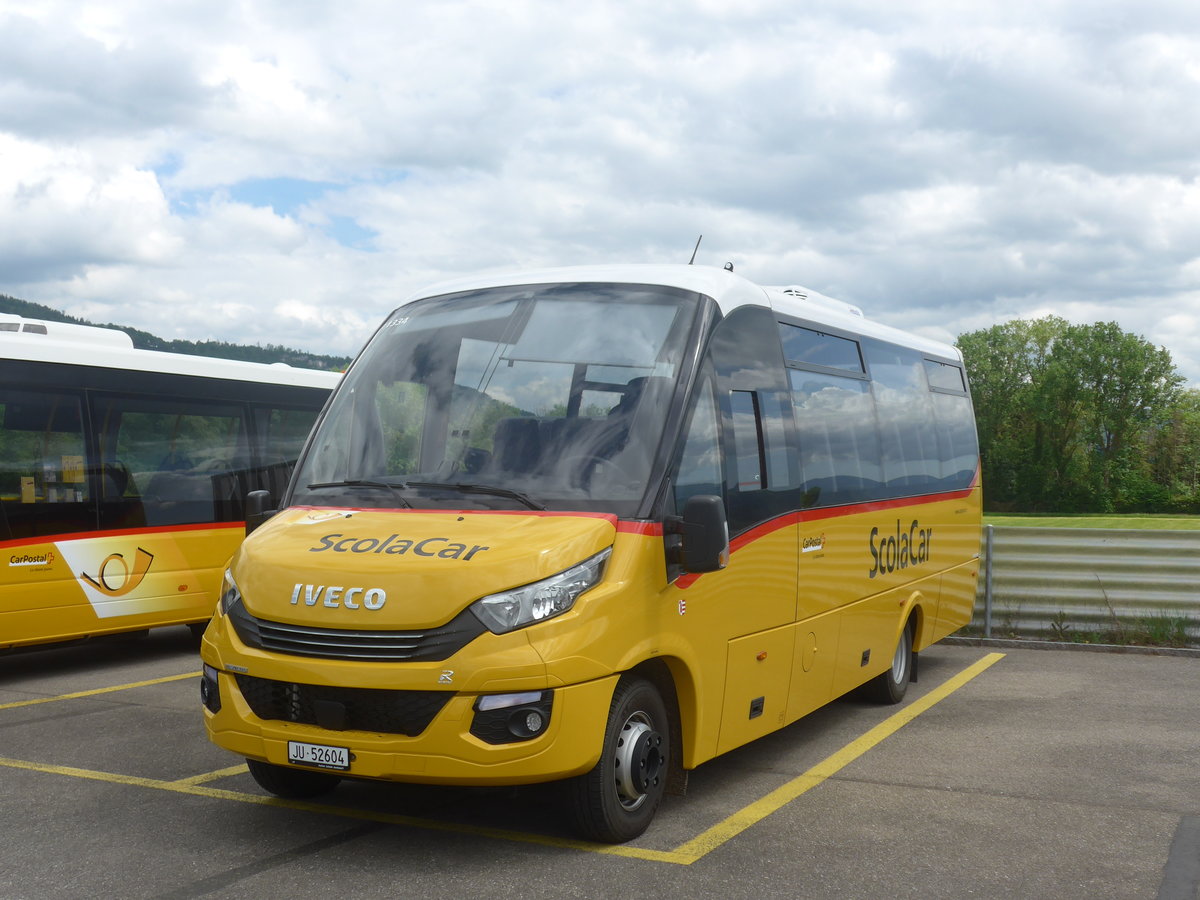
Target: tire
[[891, 686], [617, 799], [294, 784]]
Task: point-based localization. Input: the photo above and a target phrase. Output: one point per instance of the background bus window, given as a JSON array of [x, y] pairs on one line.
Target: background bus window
[[287, 430], [281, 433], [839, 448], [180, 456], [43, 477]]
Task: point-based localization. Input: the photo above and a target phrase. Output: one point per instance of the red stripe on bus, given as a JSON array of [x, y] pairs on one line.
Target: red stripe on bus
[[832, 512], [119, 532]]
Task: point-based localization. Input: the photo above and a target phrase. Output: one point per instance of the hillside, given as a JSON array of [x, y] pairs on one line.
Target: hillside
[[143, 340]]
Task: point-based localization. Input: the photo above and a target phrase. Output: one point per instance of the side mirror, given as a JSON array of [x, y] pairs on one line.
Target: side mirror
[[257, 509], [705, 534]]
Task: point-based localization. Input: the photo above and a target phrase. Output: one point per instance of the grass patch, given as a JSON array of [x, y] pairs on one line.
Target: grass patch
[[1139, 522], [1163, 630]]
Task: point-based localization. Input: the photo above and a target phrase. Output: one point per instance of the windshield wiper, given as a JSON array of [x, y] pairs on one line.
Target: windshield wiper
[[362, 482], [472, 488]]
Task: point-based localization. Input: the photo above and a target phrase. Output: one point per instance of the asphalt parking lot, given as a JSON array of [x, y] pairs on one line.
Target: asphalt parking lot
[[1006, 773]]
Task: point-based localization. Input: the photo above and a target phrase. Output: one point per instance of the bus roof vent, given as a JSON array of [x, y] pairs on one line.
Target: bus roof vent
[[797, 292], [64, 331]]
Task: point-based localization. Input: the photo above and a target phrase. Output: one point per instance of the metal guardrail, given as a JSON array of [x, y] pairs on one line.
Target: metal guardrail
[[1066, 583]]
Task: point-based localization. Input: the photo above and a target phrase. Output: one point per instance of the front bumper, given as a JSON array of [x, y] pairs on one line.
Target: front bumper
[[445, 752]]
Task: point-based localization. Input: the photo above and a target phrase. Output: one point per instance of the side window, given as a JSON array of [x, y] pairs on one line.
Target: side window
[[181, 456], [281, 432], [44, 487], [809, 347], [776, 418], [945, 377], [761, 476], [839, 449], [958, 446], [908, 433], [287, 430], [748, 444], [699, 468]]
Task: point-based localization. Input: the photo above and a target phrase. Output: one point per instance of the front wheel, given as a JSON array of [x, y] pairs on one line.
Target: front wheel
[[892, 684], [616, 800], [294, 784]]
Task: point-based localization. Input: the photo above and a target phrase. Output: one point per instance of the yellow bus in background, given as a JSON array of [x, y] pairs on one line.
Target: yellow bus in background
[[123, 475], [597, 526]]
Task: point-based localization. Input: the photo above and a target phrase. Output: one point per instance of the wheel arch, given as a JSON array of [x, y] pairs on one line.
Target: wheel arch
[[913, 613], [672, 679]]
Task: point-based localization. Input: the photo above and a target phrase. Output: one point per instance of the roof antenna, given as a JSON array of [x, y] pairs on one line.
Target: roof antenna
[[694, 249]]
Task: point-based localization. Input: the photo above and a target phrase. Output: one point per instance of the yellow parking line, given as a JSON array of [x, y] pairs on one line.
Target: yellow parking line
[[182, 787], [106, 690], [685, 854], [781, 796], [213, 776]]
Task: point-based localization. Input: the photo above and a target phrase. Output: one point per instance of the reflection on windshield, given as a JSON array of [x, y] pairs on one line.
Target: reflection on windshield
[[553, 394]]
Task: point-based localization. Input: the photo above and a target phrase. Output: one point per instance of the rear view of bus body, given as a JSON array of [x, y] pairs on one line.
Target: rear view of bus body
[[598, 526]]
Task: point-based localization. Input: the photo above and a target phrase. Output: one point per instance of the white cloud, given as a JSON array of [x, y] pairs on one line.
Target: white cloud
[[61, 209], [943, 164]]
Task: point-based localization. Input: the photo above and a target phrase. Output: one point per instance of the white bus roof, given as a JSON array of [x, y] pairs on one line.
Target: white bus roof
[[726, 288], [37, 340]]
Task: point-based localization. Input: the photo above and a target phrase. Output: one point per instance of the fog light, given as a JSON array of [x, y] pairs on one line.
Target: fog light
[[508, 718], [526, 723], [210, 689]]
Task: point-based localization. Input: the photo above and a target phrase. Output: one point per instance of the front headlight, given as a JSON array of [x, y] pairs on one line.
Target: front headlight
[[541, 600], [230, 595]]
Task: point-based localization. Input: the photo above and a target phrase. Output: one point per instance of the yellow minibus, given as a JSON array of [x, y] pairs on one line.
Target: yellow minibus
[[597, 526], [123, 474]]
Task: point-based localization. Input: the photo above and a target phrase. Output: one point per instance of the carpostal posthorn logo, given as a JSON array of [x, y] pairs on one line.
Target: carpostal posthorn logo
[[115, 577]]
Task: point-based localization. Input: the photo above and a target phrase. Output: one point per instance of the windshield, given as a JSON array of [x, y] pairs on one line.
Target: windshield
[[539, 396]]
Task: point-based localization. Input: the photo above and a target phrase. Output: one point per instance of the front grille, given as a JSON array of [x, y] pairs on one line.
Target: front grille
[[343, 709], [428, 645]]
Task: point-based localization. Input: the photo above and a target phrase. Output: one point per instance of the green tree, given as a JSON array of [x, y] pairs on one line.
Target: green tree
[[1117, 387], [1174, 453], [1066, 413], [1005, 364]]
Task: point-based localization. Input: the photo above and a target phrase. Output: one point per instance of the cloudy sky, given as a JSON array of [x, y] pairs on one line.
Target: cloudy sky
[[285, 171]]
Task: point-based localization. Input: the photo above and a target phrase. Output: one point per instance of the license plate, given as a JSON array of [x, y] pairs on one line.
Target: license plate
[[318, 755]]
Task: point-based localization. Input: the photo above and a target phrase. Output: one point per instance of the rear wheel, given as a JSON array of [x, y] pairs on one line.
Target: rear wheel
[[616, 800], [891, 686], [295, 784]]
